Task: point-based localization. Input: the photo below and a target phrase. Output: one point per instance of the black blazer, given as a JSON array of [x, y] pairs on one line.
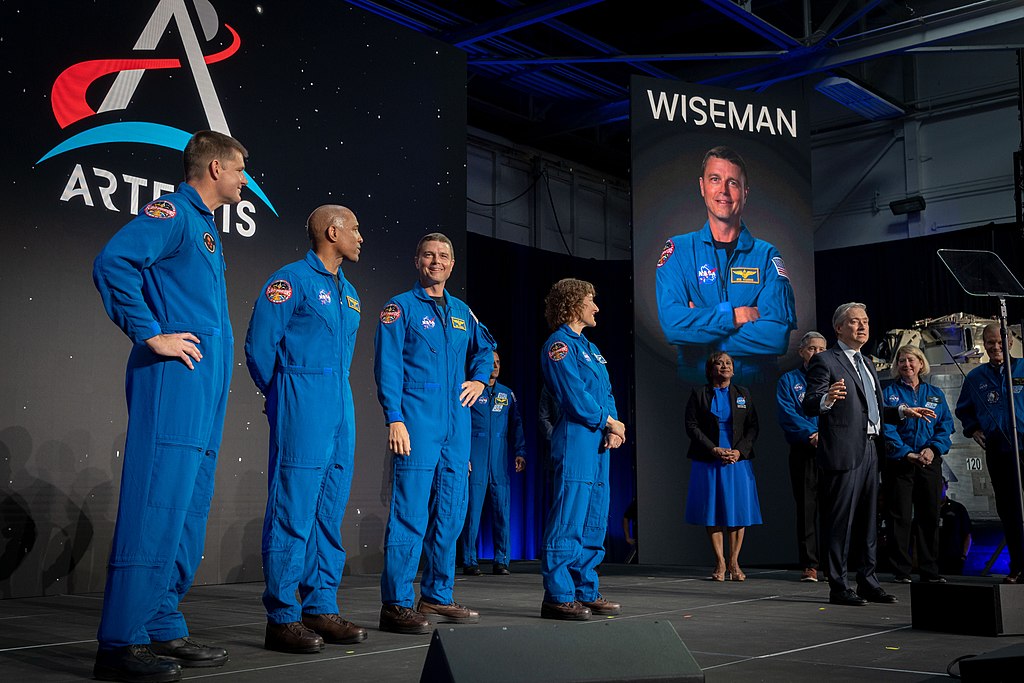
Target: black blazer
[[702, 425], [843, 429]]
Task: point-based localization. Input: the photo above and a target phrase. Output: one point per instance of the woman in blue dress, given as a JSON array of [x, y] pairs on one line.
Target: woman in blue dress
[[722, 425]]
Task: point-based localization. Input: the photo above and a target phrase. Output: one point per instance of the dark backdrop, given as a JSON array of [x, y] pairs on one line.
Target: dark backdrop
[[335, 106], [510, 282]]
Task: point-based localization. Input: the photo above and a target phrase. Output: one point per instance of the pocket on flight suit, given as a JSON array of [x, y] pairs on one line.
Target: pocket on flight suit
[[451, 491], [297, 488], [597, 509], [172, 480], [575, 502], [337, 483]]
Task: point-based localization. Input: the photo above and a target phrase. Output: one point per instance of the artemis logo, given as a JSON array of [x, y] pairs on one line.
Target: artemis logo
[[68, 98]]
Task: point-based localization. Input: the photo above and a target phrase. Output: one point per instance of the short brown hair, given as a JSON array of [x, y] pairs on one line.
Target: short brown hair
[[564, 302], [435, 237], [726, 154], [204, 147]]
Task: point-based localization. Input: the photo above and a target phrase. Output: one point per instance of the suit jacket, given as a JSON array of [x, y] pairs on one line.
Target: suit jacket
[[702, 425], [843, 428]]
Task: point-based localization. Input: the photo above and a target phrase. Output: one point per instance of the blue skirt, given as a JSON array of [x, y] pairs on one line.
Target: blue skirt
[[722, 495]]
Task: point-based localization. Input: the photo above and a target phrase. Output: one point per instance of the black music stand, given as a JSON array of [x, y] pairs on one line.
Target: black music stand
[[983, 273]]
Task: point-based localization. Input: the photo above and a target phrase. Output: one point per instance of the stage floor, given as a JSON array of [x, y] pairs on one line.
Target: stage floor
[[771, 627]]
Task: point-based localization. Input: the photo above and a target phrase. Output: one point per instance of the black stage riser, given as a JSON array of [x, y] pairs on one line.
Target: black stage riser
[[968, 609], [560, 653]]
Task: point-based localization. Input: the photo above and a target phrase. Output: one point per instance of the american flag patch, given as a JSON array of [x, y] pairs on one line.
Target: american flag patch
[[780, 267]]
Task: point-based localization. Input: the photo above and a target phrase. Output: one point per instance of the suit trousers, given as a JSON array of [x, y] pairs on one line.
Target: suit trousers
[[851, 531]]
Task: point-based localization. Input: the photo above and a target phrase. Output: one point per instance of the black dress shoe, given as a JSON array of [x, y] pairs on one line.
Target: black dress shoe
[[501, 570], [134, 664], [1013, 577], [877, 595], [933, 579], [188, 652], [293, 638], [471, 570], [333, 629], [901, 578], [847, 597]]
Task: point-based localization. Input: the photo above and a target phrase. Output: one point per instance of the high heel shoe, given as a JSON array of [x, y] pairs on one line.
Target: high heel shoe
[[718, 575], [736, 574]]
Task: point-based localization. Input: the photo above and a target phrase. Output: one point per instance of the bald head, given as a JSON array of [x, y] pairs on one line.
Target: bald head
[[324, 217]]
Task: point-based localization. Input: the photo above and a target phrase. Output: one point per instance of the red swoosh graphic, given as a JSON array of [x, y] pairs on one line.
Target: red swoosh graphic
[[68, 94]]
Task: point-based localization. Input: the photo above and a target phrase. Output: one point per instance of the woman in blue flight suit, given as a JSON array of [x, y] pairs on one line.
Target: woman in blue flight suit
[[575, 373], [912, 473]]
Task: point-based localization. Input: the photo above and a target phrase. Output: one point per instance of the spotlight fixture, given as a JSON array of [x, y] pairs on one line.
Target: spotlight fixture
[[913, 204], [857, 98]]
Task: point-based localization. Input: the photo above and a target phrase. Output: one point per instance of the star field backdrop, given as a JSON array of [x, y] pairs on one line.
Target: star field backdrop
[[334, 106]]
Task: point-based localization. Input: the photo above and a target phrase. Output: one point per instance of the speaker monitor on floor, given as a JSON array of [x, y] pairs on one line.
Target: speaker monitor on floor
[[1001, 666], [976, 609], [611, 650]]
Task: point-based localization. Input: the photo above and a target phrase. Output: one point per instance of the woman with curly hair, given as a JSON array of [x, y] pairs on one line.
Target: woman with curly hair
[[575, 373]]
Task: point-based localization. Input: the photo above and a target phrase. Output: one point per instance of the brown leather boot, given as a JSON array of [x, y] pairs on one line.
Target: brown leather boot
[[398, 619], [293, 638], [334, 629], [567, 611], [602, 607], [453, 613]]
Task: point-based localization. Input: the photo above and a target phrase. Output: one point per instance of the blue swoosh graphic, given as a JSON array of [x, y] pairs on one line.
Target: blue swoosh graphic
[[141, 132]]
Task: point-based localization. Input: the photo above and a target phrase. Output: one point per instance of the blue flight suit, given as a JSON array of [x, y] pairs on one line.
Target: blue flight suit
[[423, 354], [910, 436], [576, 374], [163, 272], [803, 469], [983, 405], [497, 426], [691, 269], [913, 493], [299, 348]]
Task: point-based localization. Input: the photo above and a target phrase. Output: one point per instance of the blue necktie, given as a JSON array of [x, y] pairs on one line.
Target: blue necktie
[[869, 391]]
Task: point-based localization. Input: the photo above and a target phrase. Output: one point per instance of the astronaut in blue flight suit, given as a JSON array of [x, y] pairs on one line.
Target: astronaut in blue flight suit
[[984, 414], [720, 288], [588, 426], [497, 428], [801, 432], [299, 348], [432, 361], [162, 281]]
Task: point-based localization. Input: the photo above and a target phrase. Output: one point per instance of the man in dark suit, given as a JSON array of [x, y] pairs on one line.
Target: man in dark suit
[[843, 390]]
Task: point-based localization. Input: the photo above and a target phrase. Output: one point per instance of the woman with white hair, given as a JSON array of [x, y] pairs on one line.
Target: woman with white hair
[[912, 472]]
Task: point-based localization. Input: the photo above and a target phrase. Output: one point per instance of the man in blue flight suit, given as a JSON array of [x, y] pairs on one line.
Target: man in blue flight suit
[[299, 349], [984, 413], [161, 278], [801, 433], [497, 426], [427, 344], [719, 288]]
